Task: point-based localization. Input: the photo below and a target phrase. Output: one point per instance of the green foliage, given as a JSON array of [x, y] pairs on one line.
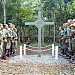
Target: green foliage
[[1, 13], [16, 13], [20, 13], [61, 9], [73, 9]]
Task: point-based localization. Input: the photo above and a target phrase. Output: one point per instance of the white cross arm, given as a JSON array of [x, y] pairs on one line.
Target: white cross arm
[[49, 23], [30, 23]]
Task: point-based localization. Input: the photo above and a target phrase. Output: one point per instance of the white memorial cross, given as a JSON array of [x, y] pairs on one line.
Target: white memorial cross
[[39, 23]]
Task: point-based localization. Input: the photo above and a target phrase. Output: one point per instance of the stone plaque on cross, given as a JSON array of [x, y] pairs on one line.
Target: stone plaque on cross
[[39, 23]]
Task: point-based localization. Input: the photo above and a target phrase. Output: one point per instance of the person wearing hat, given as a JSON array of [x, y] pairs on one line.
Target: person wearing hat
[[70, 21], [73, 20]]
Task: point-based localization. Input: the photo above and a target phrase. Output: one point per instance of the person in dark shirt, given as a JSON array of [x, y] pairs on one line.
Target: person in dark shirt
[[28, 42]]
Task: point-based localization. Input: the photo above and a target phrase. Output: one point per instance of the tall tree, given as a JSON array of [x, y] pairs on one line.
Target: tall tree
[[18, 14]]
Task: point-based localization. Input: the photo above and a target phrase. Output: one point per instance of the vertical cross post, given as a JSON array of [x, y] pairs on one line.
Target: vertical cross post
[[39, 42]]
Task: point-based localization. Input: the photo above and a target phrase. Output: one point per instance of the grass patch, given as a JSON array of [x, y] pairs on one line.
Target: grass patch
[[35, 44]]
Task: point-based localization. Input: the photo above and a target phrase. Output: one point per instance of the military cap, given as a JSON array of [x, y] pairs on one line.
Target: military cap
[[73, 20], [70, 20]]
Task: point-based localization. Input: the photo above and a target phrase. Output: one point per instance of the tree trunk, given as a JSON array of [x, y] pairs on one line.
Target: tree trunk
[[18, 28], [49, 30]]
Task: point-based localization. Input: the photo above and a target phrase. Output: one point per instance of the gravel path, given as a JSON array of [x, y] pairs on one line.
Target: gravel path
[[34, 65], [36, 69]]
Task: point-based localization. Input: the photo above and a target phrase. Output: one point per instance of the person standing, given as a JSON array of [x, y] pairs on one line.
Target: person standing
[[5, 33], [1, 39], [28, 42], [14, 34]]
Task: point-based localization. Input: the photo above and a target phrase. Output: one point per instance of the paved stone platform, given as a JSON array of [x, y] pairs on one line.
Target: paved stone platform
[[44, 59]]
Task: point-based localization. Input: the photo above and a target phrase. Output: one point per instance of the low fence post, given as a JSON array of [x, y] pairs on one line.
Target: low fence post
[[52, 50], [24, 49], [56, 52], [20, 52]]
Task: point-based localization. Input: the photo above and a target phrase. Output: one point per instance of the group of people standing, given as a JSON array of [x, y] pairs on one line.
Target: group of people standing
[[8, 40], [67, 38]]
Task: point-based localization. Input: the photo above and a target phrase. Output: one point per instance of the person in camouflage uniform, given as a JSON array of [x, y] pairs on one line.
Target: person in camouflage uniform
[[65, 40], [5, 33], [8, 40], [1, 39], [73, 40], [13, 35]]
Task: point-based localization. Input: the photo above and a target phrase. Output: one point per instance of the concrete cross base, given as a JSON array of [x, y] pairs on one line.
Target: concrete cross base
[[39, 53]]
